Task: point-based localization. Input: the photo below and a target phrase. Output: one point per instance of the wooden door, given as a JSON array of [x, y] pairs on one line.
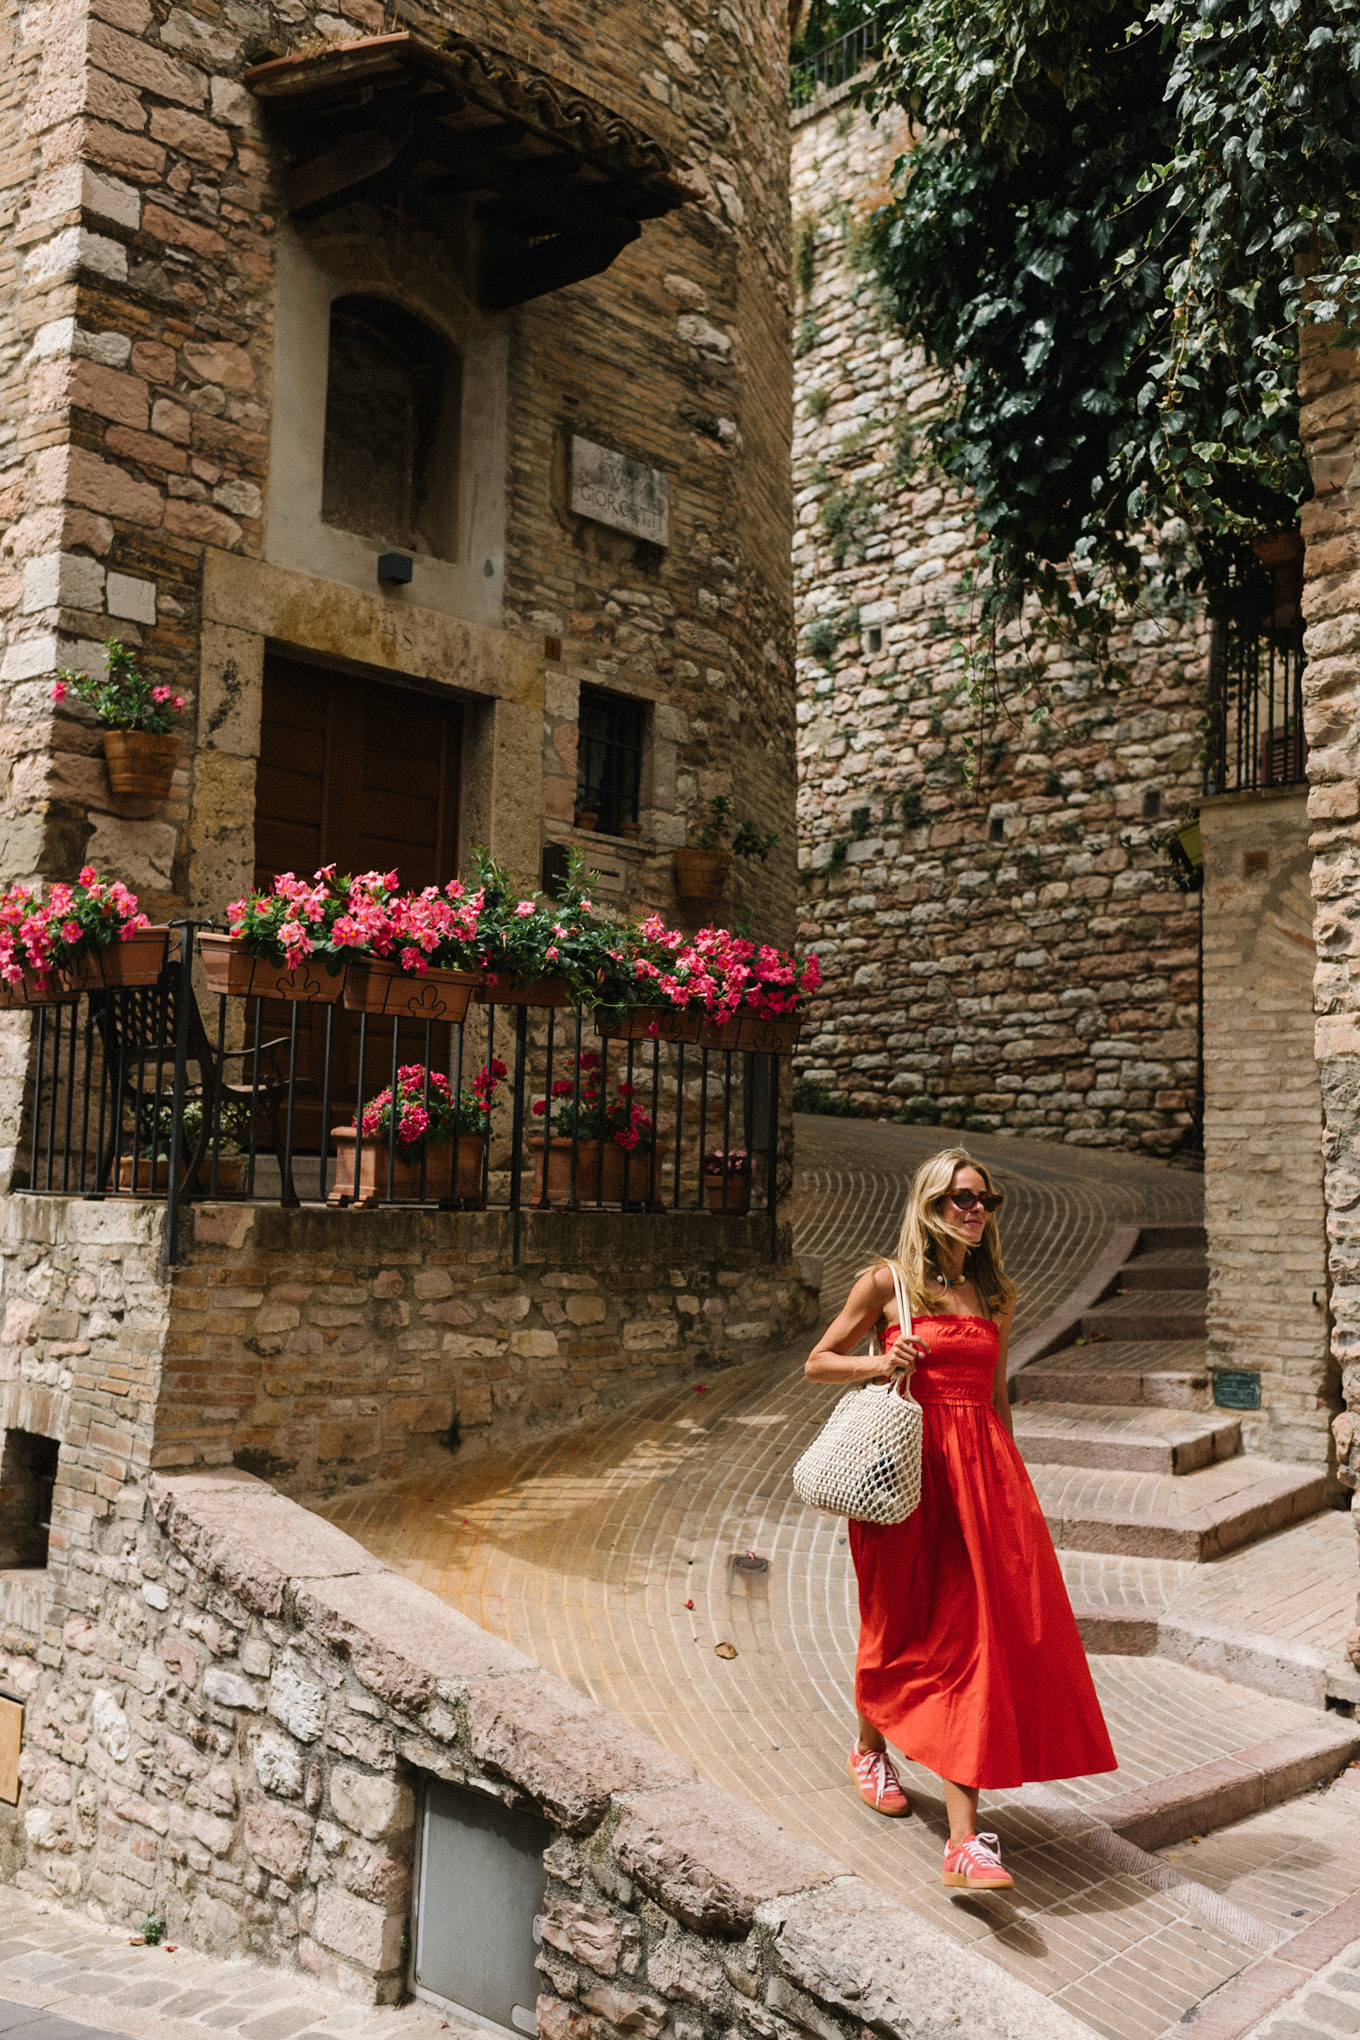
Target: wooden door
[[363, 775]]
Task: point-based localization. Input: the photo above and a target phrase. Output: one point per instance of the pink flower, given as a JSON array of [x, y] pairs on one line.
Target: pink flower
[[59, 692], [524, 908]]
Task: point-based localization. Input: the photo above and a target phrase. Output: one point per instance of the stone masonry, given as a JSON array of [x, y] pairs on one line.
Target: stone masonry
[[149, 267], [1330, 388], [328, 1349], [1010, 951], [231, 1714], [1263, 1208]]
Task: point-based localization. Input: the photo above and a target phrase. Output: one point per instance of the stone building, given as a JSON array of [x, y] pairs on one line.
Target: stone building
[[412, 395], [1003, 941]]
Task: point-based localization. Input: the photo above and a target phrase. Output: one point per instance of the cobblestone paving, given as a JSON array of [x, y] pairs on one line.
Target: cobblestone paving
[[608, 1556], [65, 1978], [1290, 1864]]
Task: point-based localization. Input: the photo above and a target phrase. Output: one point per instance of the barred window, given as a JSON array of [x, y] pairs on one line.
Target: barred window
[[609, 758]]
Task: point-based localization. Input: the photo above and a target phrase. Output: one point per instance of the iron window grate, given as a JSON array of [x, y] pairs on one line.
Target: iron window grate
[[609, 758]]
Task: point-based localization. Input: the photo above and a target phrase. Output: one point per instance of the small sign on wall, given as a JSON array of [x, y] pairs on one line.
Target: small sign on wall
[[1236, 1389], [11, 1742], [610, 489]]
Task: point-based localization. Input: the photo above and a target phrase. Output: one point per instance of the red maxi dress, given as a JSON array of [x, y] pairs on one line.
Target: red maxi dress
[[969, 1658]]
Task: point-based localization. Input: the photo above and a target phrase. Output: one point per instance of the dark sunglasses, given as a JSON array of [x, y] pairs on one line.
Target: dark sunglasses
[[968, 1200]]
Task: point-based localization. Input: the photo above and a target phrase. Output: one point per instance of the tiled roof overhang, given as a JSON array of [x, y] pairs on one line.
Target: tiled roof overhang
[[562, 184]]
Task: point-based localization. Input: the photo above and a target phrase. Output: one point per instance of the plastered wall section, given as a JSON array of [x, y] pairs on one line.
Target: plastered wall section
[[231, 1719], [1263, 1197], [1002, 940]]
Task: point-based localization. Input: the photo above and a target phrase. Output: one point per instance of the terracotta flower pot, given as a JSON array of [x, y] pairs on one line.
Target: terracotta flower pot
[[229, 967], [587, 821], [373, 1160], [701, 874], [548, 991], [382, 987], [644, 1172], [56, 992], [635, 1023], [716, 1034], [770, 1037], [231, 1171], [141, 767], [138, 961], [150, 1176], [738, 1193], [631, 831]]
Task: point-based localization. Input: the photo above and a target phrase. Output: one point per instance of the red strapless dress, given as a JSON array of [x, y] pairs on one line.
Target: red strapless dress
[[969, 1658]]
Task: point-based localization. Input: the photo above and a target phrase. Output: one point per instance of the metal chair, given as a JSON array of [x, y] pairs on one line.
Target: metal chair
[[138, 1031]]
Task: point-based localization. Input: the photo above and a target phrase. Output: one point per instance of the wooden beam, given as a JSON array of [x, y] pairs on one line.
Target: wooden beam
[[516, 277]]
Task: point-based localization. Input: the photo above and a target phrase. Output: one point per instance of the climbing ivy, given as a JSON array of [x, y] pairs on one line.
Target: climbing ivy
[[1115, 220]]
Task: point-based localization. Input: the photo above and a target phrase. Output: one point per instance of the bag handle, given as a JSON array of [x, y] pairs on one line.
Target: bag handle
[[876, 1345]]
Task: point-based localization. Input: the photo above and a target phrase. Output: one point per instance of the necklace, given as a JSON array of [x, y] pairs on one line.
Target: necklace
[[956, 1283]]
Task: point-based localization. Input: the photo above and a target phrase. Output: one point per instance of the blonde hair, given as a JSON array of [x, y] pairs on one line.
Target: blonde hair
[[925, 1229]]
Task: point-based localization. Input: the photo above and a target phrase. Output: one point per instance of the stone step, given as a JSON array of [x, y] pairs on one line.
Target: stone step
[[1174, 1268], [1118, 1438], [1162, 1374], [1232, 1788], [1156, 1239], [1193, 1516], [1149, 1314]]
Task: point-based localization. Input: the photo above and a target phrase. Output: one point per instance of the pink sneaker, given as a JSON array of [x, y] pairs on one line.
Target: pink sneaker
[[872, 1771], [974, 1864]]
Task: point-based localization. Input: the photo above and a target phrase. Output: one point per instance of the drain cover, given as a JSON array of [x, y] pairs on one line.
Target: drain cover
[[750, 1561]]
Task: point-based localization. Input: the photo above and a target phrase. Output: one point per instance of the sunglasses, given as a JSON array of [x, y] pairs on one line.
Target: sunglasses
[[968, 1200]]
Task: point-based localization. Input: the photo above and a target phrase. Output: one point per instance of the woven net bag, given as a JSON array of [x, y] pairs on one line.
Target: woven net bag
[[865, 1462]]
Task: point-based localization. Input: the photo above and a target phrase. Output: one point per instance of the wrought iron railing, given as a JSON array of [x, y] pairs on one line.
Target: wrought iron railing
[[838, 63], [1255, 737], [144, 1092]]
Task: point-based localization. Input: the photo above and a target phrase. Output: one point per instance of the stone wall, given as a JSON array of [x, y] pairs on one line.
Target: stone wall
[[327, 1348], [1329, 384], [1010, 952], [1263, 1208], [230, 1718]]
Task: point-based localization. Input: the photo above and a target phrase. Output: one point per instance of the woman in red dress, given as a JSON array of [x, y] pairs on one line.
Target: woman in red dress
[[969, 1657]]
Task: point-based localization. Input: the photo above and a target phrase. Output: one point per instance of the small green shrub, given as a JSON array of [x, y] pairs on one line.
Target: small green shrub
[[810, 1097], [818, 402]]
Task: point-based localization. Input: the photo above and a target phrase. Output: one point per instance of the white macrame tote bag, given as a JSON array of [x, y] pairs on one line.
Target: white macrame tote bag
[[865, 1462]]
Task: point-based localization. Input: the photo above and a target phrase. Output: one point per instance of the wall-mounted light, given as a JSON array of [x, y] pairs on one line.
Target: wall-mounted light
[[395, 568]]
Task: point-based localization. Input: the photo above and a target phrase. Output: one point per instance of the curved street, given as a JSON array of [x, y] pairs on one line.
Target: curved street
[[622, 1556]]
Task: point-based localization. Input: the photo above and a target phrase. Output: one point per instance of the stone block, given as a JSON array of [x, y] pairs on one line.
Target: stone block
[[709, 1859], [400, 1639], [362, 1933], [562, 1749], [375, 1808], [588, 1932], [279, 1838]]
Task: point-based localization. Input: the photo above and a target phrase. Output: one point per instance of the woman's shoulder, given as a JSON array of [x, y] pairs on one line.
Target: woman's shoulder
[[877, 1281]]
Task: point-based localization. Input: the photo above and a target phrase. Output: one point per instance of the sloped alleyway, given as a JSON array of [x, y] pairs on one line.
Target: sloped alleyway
[[623, 1559]]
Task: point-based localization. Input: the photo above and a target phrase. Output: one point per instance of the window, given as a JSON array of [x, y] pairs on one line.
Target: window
[[390, 465], [996, 829], [609, 759], [28, 1474], [1152, 804]]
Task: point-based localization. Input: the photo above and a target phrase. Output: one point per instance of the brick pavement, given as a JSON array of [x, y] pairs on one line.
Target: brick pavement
[[586, 1550]]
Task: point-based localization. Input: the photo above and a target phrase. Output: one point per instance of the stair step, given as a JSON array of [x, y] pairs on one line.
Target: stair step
[[1149, 1314], [1162, 1374], [1156, 1239], [1180, 1268], [1118, 1438], [1194, 1516], [1230, 1789]]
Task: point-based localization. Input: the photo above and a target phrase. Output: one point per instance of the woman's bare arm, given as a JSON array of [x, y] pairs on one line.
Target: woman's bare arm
[[832, 1359], [1001, 1397]]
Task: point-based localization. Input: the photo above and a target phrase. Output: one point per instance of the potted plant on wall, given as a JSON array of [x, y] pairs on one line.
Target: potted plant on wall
[[81, 937], [534, 952], [413, 954], [727, 1180], [618, 1160], [701, 872], [278, 944], [141, 745], [778, 988], [430, 1123]]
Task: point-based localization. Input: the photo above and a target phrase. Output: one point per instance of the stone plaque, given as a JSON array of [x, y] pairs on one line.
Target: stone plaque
[[11, 1738], [611, 489]]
